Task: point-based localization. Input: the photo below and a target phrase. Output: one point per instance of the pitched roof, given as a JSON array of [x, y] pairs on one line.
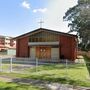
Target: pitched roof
[[43, 29]]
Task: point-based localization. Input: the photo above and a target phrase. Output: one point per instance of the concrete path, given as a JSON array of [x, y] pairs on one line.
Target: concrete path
[[45, 84]]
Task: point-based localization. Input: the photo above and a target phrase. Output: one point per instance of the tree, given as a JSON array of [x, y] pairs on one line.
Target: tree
[[79, 21]]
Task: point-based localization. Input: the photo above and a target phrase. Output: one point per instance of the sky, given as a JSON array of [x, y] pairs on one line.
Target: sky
[[21, 16]]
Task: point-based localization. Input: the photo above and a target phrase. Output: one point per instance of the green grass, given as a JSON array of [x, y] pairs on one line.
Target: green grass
[[87, 60], [14, 86], [75, 74]]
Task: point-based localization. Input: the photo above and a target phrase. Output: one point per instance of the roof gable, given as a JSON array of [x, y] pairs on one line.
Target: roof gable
[[45, 30]]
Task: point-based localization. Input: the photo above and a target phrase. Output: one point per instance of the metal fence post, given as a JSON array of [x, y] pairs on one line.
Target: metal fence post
[[1, 64], [11, 65], [36, 64]]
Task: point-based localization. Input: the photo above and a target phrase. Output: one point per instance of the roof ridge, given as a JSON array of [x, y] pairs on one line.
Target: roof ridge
[[28, 33]]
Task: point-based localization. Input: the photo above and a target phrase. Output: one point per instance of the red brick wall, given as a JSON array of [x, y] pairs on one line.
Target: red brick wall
[[22, 47], [68, 47]]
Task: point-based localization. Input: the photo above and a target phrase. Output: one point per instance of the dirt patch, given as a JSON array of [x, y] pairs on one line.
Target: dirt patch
[[45, 84]]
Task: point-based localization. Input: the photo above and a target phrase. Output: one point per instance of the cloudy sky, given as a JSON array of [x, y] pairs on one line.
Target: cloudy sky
[[21, 16]]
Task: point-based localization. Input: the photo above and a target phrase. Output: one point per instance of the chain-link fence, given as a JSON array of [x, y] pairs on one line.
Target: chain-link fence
[[49, 68]]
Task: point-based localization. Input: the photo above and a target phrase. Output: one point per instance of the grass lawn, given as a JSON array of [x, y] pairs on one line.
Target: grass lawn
[[75, 74], [87, 60], [14, 86]]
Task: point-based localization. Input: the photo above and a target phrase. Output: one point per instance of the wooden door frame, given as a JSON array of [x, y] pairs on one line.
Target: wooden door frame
[[38, 52]]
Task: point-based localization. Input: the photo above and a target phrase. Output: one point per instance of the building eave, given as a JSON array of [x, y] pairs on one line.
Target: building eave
[[43, 29]]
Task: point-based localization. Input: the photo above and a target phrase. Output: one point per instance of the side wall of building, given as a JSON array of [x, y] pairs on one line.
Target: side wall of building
[[22, 49], [68, 47]]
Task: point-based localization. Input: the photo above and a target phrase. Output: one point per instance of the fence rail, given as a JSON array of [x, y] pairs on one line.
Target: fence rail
[[28, 65]]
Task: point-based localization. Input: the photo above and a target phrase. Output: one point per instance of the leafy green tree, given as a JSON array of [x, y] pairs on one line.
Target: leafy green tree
[[79, 21]]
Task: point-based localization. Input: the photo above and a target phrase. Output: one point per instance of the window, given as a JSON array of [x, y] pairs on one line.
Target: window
[[44, 37]]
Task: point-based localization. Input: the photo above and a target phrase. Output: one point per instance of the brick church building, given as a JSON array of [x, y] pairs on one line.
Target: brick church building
[[46, 44]]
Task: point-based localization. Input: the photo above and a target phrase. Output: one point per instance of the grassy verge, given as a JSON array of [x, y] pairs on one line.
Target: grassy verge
[[14, 86], [75, 74], [87, 60]]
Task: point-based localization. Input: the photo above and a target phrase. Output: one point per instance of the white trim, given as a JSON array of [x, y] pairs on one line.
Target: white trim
[[42, 43]]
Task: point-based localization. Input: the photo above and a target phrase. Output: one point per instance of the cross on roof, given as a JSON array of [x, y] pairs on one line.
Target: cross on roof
[[41, 22]]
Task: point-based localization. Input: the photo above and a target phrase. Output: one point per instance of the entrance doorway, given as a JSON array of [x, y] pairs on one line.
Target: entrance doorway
[[43, 52]]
